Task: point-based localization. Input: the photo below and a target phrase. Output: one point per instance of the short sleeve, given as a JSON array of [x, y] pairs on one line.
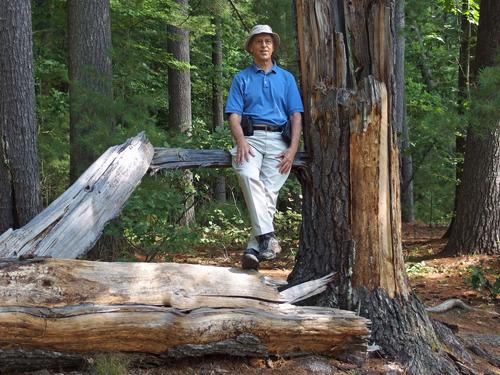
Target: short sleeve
[[294, 101], [234, 102]]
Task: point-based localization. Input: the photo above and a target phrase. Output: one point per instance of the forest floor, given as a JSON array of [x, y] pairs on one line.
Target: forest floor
[[434, 279]]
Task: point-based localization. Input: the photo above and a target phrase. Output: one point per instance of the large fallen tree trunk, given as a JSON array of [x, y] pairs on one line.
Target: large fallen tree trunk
[[173, 310], [71, 224]]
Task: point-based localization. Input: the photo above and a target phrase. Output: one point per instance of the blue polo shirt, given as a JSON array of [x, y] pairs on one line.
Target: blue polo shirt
[[268, 98]]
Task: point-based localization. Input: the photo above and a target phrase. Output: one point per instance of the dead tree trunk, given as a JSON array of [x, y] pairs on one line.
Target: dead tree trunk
[[175, 310], [71, 224], [351, 215]]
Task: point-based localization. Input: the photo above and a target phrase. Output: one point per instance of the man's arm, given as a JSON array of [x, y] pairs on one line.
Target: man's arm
[[289, 154], [243, 149]]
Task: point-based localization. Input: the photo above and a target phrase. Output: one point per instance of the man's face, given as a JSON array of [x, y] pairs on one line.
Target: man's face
[[262, 47]]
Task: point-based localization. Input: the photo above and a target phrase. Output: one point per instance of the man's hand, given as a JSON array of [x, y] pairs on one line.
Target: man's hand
[[243, 151], [287, 158], [288, 155]]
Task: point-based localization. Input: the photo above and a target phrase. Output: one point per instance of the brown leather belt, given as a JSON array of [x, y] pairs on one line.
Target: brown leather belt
[[269, 128]]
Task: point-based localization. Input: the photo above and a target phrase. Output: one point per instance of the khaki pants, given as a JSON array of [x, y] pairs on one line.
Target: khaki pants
[[261, 181]]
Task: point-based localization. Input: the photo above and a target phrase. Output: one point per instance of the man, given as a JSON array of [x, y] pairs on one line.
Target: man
[[265, 96]]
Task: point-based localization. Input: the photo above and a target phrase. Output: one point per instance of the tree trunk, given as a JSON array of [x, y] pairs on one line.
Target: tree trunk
[[217, 99], [166, 309], [179, 97], [71, 224], [351, 216], [476, 229], [462, 98], [401, 123], [91, 88], [20, 196]]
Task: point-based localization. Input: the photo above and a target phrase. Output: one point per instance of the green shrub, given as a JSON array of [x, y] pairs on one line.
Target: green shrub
[[479, 281]]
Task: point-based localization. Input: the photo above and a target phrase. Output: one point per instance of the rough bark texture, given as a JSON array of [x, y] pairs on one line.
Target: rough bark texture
[[71, 224], [170, 309], [18, 360], [20, 197], [90, 74], [179, 97], [217, 99], [351, 216], [476, 228]]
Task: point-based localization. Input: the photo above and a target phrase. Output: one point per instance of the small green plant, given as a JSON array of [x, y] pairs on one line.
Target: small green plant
[[479, 281], [110, 364], [223, 225], [418, 268]]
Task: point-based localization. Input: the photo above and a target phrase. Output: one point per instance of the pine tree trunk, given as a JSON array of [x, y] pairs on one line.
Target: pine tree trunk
[[217, 99], [179, 98], [476, 228], [90, 74], [20, 196], [351, 217]]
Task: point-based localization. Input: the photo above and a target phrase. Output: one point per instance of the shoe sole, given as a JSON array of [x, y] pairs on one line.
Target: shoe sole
[[249, 262], [262, 258]]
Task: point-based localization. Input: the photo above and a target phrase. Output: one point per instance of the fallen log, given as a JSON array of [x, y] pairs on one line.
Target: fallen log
[[173, 310], [176, 158], [71, 224]]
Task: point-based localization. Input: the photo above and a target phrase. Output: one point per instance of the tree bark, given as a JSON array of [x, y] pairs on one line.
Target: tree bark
[[90, 74], [217, 99], [476, 229], [166, 309], [351, 211], [179, 97], [20, 195], [71, 224]]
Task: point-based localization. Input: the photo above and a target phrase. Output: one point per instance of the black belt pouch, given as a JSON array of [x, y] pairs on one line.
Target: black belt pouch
[[247, 126], [287, 133]]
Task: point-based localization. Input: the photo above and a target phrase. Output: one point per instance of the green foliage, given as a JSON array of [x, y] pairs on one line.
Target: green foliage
[[418, 268], [433, 115], [109, 364], [224, 226], [484, 113], [456, 7], [150, 221], [478, 280]]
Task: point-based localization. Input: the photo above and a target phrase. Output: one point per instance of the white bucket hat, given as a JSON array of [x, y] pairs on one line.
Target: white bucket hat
[[262, 29]]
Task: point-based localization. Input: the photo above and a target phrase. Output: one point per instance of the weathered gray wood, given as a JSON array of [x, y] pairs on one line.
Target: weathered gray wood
[[71, 224], [166, 309], [177, 158], [51, 283]]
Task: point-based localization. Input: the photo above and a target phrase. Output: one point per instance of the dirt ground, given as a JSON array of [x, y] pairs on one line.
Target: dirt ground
[[435, 279]]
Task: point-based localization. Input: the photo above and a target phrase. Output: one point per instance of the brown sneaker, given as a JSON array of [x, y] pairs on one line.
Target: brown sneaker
[[250, 260]]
